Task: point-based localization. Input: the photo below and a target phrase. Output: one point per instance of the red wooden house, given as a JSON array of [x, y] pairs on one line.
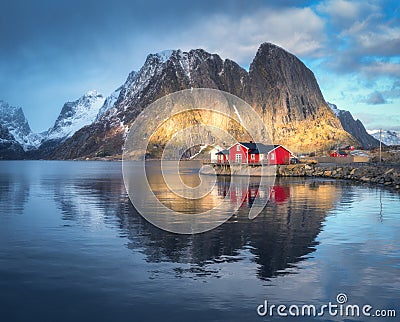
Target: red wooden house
[[338, 154], [222, 156], [250, 152]]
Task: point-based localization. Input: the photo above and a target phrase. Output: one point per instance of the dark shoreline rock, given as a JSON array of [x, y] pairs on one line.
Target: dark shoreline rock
[[382, 175]]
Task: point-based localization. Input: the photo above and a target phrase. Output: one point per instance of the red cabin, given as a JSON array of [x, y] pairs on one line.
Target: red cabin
[[222, 156], [338, 154], [250, 152]]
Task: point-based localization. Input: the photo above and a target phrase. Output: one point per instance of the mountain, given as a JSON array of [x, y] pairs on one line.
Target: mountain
[[355, 127], [109, 102], [388, 137], [278, 86], [13, 119], [287, 96], [75, 115], [9, 147]]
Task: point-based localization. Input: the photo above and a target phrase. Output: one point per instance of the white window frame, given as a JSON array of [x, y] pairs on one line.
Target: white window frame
[[272, 156], [252, 156], [238, 147], [238, 158]]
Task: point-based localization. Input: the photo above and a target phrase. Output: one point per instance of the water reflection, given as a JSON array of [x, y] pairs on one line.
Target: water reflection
[[277, 239], [281, 236], [245, 195], [14, 188], [78, 240]]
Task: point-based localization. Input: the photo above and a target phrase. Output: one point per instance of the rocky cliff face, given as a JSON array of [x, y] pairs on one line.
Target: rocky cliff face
[[285, 92], [10, 149], [355, 128], [13, 119], [74, 115], [278, 86]]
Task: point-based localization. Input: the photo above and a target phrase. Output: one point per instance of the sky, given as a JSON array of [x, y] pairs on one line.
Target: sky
[[55, 51]]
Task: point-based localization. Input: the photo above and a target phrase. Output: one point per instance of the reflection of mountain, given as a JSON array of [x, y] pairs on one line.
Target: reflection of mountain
[[282, 235], [14, 189], [87, 194]]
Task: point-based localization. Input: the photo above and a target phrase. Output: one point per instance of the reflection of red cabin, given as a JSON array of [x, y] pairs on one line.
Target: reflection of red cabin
[[246, 197], [279, 194], [242, 196], [250, 152]]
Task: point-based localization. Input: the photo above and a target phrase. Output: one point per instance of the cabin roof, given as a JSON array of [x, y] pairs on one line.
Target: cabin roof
[[223, 152], [258, 148]]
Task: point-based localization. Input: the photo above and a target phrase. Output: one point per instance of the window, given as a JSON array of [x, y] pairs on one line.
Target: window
[[238, 147], [272, 156], [238, 158], [253, 156]]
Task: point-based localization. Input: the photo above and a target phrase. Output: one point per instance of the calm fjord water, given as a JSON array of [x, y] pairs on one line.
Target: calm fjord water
[[73, 248]]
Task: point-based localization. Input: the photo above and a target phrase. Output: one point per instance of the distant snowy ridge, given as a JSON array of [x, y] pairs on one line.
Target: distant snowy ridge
[[334, 108], [17, 140], [13, 119], [388, 137], [75, 115]]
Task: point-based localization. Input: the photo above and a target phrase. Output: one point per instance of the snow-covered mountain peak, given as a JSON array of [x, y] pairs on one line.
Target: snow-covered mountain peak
[[164, 55], [109, 102], [334, 108], [13, 119], [388, 137], [75, 115], [151, 75], [93, 93]]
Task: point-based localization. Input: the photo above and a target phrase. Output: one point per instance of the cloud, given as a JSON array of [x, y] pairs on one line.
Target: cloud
[[366, 39], [394, 91], [378, 68], [238, 38], [54, 50], [344, 13], [373, 35], [373, 121], [375, 98]]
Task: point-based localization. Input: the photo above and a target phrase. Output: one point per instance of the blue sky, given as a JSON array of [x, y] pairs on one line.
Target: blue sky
[[55, 51]]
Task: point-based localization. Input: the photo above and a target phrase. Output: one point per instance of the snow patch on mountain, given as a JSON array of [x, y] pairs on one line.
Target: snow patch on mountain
[[75, 115], [335, 109], [184, 63], [109, 102], [354, 127], [164, 55], [388, 137]]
